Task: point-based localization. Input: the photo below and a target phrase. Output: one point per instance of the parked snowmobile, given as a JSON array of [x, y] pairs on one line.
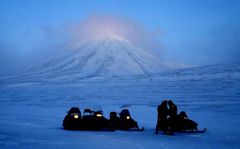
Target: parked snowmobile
[[180, 123], [184, 124], [94, 120], [123, 122], [114, 121], [73, 119], [91, 120]]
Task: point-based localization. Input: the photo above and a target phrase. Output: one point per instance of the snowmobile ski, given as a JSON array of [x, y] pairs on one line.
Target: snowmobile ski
[[195, 131], [133, 129], [141, 129]]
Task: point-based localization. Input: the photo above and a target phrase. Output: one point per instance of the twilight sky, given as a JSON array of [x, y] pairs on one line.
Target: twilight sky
[[192, 32]]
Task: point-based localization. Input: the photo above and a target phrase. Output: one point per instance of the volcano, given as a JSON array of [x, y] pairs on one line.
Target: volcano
[[114, 56]]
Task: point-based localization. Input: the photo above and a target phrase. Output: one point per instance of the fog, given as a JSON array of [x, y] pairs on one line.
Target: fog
[[189, 33], [67, 37], [97, 27]]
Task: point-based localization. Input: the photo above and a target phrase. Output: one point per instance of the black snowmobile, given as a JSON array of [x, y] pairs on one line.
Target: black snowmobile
[[184, 124], [181, 124], [123, 122], [94, 120], [91, 120], [73, 119], [177, 123]]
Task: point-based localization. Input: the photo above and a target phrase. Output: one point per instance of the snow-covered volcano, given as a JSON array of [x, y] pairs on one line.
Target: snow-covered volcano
[[110, 56]]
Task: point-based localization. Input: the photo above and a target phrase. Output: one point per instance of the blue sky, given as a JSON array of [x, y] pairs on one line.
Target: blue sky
[[196, 32]]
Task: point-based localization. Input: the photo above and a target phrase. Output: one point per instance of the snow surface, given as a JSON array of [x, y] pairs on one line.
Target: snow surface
[[33, 107]]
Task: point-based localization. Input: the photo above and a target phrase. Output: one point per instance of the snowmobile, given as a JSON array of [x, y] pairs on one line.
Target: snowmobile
[[73, 119], [181, 123], [123, 122], [184, 124], [94, 120], [91, 120]]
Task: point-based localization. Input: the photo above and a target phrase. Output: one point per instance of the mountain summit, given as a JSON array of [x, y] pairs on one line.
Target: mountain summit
[[110, 56]]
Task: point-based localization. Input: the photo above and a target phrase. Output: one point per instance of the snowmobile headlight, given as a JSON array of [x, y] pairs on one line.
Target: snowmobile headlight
[[128, 117], [75, 116], [99, 115]]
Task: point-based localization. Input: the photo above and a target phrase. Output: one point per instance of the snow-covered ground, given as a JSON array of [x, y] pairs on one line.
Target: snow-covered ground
[[32, 108]]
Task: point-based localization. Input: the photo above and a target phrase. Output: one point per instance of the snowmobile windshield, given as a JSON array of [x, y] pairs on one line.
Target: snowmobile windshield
[[97, 108], [87, 112], [74, 110], [125, 112]]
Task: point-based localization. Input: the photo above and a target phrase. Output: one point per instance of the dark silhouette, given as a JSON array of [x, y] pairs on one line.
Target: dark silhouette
[[123, 122], [172, 119], [126, 120], [73, 119], [114, 121], [172, 110], [184, 123], [91, 120], [162, 116], [94, 120], [169, 121]]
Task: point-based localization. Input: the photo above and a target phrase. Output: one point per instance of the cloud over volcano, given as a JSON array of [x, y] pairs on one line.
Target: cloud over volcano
[[98, 27], [104, 45]]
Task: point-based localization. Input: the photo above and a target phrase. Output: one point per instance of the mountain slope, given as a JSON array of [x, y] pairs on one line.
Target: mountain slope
[[111, 56]]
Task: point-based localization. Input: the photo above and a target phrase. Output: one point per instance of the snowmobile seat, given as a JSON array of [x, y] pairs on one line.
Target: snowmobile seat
[[190, 125], [182, 114], [184, 123], [113, 116], [114, 121]]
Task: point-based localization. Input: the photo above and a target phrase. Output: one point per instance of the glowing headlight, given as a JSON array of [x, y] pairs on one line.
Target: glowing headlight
[[75, 116], [99, 115], [128, 117]]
